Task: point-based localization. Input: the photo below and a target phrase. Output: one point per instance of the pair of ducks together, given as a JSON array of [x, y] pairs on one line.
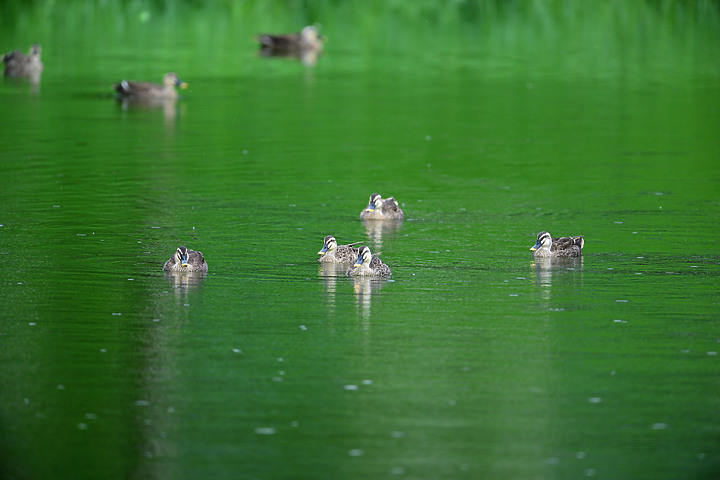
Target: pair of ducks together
[[19, 65], [307, 39]]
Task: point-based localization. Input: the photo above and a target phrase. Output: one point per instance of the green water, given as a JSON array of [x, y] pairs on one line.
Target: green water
[[488, 122]]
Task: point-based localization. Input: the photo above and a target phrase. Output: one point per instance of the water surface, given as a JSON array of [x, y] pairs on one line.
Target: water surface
[[472, 360]]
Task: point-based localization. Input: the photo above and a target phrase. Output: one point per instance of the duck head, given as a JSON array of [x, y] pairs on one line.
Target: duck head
[[375, 202], [364, 255], [182, 256], [544, 240], [172, 80], [309, 34], [329, 244]]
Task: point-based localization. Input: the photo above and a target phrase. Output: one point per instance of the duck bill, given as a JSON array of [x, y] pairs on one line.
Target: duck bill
[[357, 264], [535, 247], [182, 85], [370, 208], [184, 260], [324, 249]]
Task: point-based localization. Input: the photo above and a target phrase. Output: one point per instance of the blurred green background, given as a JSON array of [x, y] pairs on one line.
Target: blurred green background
[[489, 121]]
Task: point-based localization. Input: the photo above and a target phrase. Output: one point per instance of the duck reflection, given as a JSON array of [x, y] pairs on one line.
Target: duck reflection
[[184, 282], [365, 287], [330, 273], [307, 57], [565, 270], [168, 106], [377, 229]]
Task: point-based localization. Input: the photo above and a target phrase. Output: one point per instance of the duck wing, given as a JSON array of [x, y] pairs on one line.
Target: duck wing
[[195, 257], [377, 265], [390, 205], [347, 253], [279, 42], [136, 88], [567, 246]]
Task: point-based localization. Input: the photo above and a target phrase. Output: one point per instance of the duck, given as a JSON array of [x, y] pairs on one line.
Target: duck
[[564, 247], [381, 209], [186, 260], [292, 43], [19, 65], [147, 90], [368, 264], [333, 253]]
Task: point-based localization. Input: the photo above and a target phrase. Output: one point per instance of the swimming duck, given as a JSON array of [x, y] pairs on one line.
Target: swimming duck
[[147, 90], [368, 264], [20, 65], [566, 247], [186, 260], [331, 252], [381, 209], [307, 39]]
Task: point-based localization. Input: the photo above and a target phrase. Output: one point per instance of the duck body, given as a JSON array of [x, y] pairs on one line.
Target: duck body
[[368, 264], [381, 209], [148, 90], [563, 247], [332, 253], [186, 260], [19, 65], [291, 43]]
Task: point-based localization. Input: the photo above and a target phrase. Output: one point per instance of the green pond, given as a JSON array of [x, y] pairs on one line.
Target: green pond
[[487, 121]]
